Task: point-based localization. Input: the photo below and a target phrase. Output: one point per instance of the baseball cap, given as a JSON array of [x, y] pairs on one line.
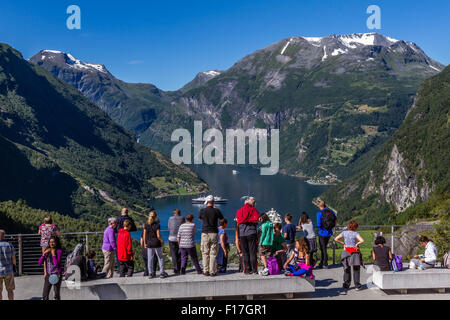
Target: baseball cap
[[209, 199]]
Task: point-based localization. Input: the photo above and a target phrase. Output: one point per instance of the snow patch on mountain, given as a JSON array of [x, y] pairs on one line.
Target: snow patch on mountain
[[315, 41], [212, 73], [338, 51], [72, 61], [285, 46], [435, 68], [324, 53]]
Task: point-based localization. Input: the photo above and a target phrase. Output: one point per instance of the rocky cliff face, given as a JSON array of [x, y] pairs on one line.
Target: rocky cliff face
[[410, 169], [399, 186]]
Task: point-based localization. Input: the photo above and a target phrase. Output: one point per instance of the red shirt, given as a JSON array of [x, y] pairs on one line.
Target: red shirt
[[124, 247]]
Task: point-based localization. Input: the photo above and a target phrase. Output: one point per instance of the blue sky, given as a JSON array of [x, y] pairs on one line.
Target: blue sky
[[168, 42]]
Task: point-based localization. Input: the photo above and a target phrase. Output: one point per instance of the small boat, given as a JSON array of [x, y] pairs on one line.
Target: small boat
[[235, 172], [217, 200]]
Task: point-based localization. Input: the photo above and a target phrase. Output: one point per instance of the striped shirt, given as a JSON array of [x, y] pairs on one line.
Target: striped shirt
[[186, 233], [6, 253]]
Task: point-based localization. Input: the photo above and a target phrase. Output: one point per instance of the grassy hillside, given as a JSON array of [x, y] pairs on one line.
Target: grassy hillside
[[62, 153]]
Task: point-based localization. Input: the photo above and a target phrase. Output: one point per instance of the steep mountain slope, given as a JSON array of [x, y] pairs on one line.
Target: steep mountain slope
[[200, 79], [409, 178], [135, 106], [61, 152], [335, 99]]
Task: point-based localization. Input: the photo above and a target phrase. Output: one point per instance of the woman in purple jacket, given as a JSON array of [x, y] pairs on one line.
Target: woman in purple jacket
[[109, 247], [53, 264]]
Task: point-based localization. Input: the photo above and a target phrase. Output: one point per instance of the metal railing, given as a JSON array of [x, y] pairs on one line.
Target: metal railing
[[28, 248]]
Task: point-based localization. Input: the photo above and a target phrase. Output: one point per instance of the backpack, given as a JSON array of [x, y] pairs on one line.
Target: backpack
[[272, 265], [446, 260], [397, 263], [328, 219], [72, 257]]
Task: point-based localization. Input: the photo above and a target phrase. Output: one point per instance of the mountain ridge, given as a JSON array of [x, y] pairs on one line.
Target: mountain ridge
[[301, 85]]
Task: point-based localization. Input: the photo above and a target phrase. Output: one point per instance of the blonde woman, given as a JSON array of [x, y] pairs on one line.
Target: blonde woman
[[153, 243]]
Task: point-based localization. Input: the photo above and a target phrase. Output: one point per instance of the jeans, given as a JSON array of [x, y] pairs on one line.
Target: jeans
[[348, 274], [210, 249], [323, 243], [249, 253], [192, 252], [48, 286], [159, 254], [222, 261], [126, 267], [299, 272], [176, 256]]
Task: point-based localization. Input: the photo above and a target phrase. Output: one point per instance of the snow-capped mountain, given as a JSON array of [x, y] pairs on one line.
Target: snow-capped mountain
[[63, 59], [334, 98]]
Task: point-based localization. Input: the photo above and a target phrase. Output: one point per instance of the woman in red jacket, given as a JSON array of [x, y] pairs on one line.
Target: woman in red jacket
[[247, 219], [125, 250]]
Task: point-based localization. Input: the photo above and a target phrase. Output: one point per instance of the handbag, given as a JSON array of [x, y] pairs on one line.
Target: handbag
[[53, 279]]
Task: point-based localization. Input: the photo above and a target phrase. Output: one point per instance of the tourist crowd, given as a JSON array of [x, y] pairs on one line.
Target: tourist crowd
[[257, 236]]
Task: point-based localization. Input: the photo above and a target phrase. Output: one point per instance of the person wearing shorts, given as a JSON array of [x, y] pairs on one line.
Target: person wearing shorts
[[7, 264]]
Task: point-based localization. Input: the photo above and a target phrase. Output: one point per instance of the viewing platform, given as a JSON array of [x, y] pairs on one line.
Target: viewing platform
[[190, 285], [327, 285]]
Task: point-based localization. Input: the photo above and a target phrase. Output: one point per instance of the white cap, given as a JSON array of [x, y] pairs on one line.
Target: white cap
[[209, 199]]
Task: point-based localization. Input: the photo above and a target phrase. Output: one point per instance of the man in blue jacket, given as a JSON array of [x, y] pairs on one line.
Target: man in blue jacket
[[326, 221]]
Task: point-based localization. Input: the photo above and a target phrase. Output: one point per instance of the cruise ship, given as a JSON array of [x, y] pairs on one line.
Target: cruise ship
[[217, 200]]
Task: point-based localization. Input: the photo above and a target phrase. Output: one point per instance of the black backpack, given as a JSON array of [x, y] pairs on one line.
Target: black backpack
[[328, 219]]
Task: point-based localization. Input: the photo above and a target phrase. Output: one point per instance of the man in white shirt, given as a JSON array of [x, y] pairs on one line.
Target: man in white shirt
[[428, 260]]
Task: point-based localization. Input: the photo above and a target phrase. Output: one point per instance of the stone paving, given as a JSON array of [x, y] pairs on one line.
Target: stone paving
[[328, 285]]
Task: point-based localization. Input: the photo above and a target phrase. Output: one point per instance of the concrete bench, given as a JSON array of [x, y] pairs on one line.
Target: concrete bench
[[435, 278], [190, 285]]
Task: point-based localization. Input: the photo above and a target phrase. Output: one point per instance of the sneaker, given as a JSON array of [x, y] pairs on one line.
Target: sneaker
[[212, 275], [358, 287], [343, 292], [152, 276], [264, 272], [206, 274], [163, 275]]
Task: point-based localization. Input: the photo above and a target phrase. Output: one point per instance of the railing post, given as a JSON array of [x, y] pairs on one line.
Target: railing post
[[87, 242], [392, 238], [20, 254], [334, 252]]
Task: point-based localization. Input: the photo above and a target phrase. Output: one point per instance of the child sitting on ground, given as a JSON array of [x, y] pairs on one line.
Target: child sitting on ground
[[301, 262], [265, 242], [93, 268]]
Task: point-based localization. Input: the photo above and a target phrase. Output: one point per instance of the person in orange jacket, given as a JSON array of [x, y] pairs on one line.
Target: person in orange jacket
[[125, 250]]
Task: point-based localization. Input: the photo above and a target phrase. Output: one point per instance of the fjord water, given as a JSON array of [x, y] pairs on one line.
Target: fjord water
[[281, 192]]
